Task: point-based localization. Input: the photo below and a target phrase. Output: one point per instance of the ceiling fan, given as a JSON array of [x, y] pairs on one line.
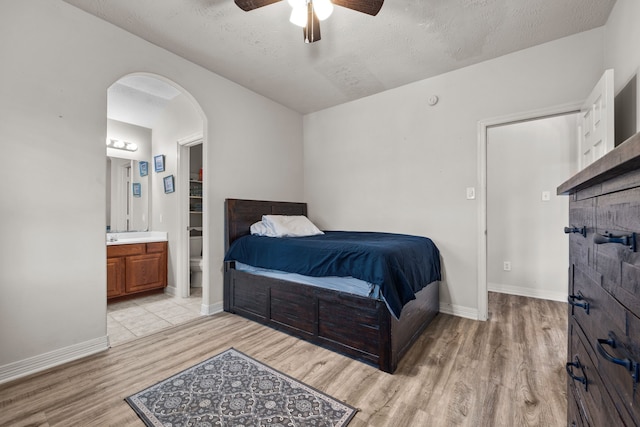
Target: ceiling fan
[[309, 13]]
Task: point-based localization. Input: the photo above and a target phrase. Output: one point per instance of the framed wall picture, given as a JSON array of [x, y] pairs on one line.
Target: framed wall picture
[[168, 184], [158, 163], [136, 189], [144, 168]]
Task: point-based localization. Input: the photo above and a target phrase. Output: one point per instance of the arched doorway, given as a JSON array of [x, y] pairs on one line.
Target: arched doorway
[[157, 114]]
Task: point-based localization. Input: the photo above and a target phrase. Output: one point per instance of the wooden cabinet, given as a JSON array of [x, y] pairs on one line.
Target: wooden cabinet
[[603, 361], [134, 268]]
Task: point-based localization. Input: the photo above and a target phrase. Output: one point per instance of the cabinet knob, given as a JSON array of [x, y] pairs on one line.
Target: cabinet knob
[[572, 300], [577, 365], [582, 230]]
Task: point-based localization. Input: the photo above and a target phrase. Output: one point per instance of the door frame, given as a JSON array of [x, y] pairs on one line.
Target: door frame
[[483, 293], [183, 145]]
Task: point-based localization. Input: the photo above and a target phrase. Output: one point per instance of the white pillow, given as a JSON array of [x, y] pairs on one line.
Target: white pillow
[[260, 229], [289, 226]]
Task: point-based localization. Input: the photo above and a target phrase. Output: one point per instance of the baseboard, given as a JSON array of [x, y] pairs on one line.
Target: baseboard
[[527, 292], [459, 310], [208, 310], [29, 366], [171, 290]]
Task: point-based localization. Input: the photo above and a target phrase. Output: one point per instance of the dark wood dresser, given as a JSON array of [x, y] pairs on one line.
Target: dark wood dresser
[[603, 360]]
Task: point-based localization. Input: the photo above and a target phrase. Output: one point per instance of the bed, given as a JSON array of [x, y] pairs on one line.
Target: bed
[[355, 325]]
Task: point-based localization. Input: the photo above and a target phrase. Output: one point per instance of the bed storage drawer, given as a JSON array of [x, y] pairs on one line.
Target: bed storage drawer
[[340, 321], [252, 301], [336, 322], [291, 308]]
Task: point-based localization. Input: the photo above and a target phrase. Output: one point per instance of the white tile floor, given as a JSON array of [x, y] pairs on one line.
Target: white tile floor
[[134, 318]]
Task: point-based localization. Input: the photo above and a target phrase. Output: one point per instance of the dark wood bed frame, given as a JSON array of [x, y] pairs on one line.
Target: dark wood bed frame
[[356, 326]]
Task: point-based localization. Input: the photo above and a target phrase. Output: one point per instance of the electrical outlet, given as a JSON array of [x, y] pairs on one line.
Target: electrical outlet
[[506, 266], [471, 193]]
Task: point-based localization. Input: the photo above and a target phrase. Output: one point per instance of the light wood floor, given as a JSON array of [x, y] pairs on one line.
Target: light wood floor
[[508, 371]]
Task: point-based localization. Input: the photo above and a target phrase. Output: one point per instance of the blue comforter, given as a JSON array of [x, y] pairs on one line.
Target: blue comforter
[[400, 264]]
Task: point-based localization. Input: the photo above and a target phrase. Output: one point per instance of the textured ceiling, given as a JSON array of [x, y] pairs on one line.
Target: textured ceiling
[[359, 55]]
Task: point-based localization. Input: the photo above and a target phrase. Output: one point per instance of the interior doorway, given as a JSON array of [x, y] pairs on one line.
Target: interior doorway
[[154, 113], [527, 252], [193, 264], [521, 237]]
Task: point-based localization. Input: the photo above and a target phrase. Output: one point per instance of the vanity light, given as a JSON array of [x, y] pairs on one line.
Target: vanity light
[[122, 145]]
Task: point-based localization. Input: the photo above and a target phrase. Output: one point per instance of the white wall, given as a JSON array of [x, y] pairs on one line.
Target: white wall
[[622, 38], [390, 162], [57, 64], [523, 160], [179, 119]]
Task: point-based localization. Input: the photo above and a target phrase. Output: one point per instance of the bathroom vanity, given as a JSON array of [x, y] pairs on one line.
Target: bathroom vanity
[[136, 262]]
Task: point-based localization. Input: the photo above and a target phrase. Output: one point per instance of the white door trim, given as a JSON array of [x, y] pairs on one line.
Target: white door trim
[[483, 298]]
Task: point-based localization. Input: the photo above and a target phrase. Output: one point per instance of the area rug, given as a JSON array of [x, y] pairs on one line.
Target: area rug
[[232, 389]]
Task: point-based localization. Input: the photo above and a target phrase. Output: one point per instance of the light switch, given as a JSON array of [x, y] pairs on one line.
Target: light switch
[[471, 193], [546, 196]]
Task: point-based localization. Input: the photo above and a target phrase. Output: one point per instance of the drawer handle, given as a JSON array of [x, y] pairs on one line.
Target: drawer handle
[[579, 297], [630, 365], [582, 230], [577, 365], [607, 237]]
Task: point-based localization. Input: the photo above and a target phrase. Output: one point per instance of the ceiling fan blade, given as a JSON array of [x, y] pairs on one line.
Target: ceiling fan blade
[[248, 5], [312, 30], [370, 7]]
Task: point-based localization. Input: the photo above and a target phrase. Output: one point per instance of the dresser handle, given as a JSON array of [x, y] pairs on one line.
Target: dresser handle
[[578, 365], [579, 297], [630, 365], [582, 230], [607, 237]]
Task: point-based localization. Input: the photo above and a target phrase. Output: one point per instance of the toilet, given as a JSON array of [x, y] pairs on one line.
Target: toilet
[[195, 261]]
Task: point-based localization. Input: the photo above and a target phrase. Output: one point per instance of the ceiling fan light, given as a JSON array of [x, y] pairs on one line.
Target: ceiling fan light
[[299, 16], [323, 9]]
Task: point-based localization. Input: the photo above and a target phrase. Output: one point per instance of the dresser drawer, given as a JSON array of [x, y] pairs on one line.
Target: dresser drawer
[[582, 215], [575, 414], [592, 398], [603, 319], [114, 251], [619, 214]]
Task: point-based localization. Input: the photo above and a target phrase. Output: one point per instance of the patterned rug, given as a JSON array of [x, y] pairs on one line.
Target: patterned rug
[[232, 389]]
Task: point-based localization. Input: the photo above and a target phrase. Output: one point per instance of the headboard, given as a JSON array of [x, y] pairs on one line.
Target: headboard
[[240, 214]]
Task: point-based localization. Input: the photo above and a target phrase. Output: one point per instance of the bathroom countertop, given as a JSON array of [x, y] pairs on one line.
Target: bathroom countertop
[[135, 237]]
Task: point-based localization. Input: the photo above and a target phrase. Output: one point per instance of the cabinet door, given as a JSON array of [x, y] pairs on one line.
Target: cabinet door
[[145, 272], [115, 277]]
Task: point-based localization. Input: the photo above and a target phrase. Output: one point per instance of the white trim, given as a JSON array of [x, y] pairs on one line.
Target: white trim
[[527, 292], [207, 310], [21, 368], [182, 269], [481, 194], [191, 140], [458, 310], [171, 291]]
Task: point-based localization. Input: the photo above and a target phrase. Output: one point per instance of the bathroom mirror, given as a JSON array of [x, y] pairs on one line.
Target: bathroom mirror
[[128, 195]]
